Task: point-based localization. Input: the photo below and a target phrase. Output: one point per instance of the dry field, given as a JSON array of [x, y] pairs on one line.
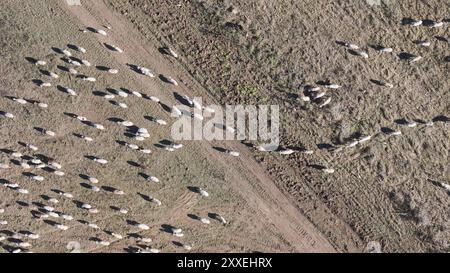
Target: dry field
[[388, 189]]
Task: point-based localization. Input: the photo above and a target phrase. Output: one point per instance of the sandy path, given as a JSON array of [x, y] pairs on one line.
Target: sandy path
[[262, 195]]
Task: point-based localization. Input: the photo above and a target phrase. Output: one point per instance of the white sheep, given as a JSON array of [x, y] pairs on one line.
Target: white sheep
[[143, 226], [40, 62], [155, 99], [73, 71], [20, 101], [89, 79], [233, 153], [205, 221], [145, 71], [7, 115], [101, 161], [327, 101], [113, 71], [153, 179], [85, 62], [328, 170], [161, 122], [286, 152], [67, 53], [332, 86]]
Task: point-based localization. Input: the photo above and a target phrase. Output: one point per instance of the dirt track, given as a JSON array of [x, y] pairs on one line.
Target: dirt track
[[261, 217]]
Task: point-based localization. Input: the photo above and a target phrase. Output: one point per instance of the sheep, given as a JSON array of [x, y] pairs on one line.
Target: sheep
[[113, 71], [176, 111], [386, 84], [20, 101], [73, 62], [61, 227], [25, 165], [3, 222], [92, 180], [7, 115], [410, 124], [53, 75], [362, 54], [437, 24], [328, 170], [89, 139], [445, 186], [17, 154], [37, 178], [233, 153], [172, 81], [197, 116], [177, 146], [45, 84], [154, 99], [385, 49], [59, 173], [352, 144], [122, 93], [203, 192], [89, 79], [122, 105], [137, 94], [94, 226], [50, 133], [102, 243], [40, 62], [109, 96], [114, 48], [126, 123], [69, 91], [143, 226], [117, 236], [145, 71], [318, 95], [94, 188], [414, 59], [53, 214], [222, 219], [66, 194], [332, 86], [123, 211], [177, 230], [145, 151], [80, 49], [423, 43], [98, 126], [101, 161], [351, 46], [31, 147], [67, 217], [53, 200], [153, 179], [205, 221], [170, 52], [145, 240], [156, 201], [286, 152], [161, 122], [365, 138], [100, 31], [41, 104], [86, 63], [415, 23], [67, 53], [73, 71], [197, 104], [48, 208], [325, 102], [395, 133]]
